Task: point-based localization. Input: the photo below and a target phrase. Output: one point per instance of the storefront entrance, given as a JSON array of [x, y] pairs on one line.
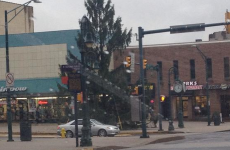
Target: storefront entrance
[[225, 106], [184, 106]]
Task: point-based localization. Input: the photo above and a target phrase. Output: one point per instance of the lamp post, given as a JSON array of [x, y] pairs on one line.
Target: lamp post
[[180, 88], [87, 43], [9, 121], [206, 79], [171, 127]]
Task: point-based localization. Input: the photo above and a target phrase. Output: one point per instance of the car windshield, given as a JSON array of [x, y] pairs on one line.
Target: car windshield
[[96, 122]]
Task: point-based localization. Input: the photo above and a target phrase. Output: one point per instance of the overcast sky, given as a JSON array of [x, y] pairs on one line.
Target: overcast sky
[[53, 15]]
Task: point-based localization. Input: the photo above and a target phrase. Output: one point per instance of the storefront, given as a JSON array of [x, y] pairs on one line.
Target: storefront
[[29, 98], [194, 101]]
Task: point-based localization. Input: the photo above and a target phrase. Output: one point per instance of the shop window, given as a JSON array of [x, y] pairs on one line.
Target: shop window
[[192, 69], [159, 63], [200, 106], [176, 71], [226, 67], [209, 67]]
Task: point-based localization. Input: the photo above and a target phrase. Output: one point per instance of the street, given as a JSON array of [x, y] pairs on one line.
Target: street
[[70, 143], [205, 141]]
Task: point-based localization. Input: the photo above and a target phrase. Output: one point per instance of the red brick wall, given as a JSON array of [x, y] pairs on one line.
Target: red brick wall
[[183, 53]]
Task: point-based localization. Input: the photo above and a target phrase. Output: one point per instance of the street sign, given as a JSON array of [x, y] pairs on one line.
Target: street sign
[[132, 67], [74, 82], [9, 79], [71, 68]]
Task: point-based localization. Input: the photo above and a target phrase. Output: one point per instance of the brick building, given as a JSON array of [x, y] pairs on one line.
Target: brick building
[[191, 70]]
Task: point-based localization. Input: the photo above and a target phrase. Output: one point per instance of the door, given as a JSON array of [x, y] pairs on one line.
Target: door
[[185, 108]]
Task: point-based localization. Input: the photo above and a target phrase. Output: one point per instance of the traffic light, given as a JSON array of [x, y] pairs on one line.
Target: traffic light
[[144, 63], [80, 97], [151, 101], [128, 61], [136, 90], [227, 19], [162, 98]]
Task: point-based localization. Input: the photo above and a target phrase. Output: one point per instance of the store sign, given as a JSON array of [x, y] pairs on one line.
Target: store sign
[[192, 85], [43, 102], [16, 89], [74, 82], [5, 102], [220, 86]]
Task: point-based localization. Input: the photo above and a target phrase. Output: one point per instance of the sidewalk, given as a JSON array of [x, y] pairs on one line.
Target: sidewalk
[[126, 139], [189, 127]]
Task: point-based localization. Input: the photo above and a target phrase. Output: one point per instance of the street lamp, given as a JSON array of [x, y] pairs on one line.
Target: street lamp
[[179, 87], [9, 121], [171, 127], [87, 43], [206, 77]]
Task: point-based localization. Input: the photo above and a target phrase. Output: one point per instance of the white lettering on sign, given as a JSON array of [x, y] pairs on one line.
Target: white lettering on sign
[[190, 83], [194, 87], [16, 89]]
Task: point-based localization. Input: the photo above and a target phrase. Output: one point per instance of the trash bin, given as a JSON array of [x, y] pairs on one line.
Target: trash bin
[[25, 131]]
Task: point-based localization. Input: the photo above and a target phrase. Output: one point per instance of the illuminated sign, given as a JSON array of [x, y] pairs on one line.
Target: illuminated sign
[[43, 102]]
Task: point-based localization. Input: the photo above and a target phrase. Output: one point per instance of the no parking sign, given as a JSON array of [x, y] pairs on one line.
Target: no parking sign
[[9, 79]]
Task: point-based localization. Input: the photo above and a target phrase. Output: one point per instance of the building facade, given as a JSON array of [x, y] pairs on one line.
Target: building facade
[[23, 23], [34, 60], [191, 70]]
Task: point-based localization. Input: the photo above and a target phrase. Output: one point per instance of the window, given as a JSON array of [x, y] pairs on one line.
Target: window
[[176, 71], [200, 106], [192, 69], [159, 63], [209, 67], [226, 67]]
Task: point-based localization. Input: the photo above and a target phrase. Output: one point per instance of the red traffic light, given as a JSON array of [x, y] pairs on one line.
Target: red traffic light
[[152, 101]]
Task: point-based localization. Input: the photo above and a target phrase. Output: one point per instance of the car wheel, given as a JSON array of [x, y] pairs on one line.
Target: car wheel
[[102, 132], [69, 134]]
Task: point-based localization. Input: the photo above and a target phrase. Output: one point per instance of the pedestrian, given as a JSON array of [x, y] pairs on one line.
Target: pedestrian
[[153, 119], [37, 115]]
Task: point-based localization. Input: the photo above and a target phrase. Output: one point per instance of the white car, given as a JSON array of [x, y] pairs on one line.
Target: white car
[[97, 128]]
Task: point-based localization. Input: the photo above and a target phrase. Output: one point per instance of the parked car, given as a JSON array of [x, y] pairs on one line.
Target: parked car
[[97, 128]]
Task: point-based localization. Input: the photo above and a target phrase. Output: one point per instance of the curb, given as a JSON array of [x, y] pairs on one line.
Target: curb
[[124, 133]]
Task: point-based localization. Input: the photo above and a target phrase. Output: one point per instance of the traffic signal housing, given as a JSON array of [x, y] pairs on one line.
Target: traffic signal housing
[[136, 90], [162, 98], [128, 61], [80, 97], [227, 19], [144, 63]]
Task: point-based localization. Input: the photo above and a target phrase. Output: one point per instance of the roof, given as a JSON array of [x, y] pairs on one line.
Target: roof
[[44, 38], [179, 44]]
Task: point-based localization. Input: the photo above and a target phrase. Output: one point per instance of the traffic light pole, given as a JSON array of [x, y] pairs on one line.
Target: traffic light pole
[[144, 132]]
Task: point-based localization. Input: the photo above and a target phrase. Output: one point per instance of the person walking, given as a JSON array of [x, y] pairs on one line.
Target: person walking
[[37, 115], [153, 119]]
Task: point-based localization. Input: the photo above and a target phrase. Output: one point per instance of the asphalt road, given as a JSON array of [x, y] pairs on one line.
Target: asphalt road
[[205, 141]]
